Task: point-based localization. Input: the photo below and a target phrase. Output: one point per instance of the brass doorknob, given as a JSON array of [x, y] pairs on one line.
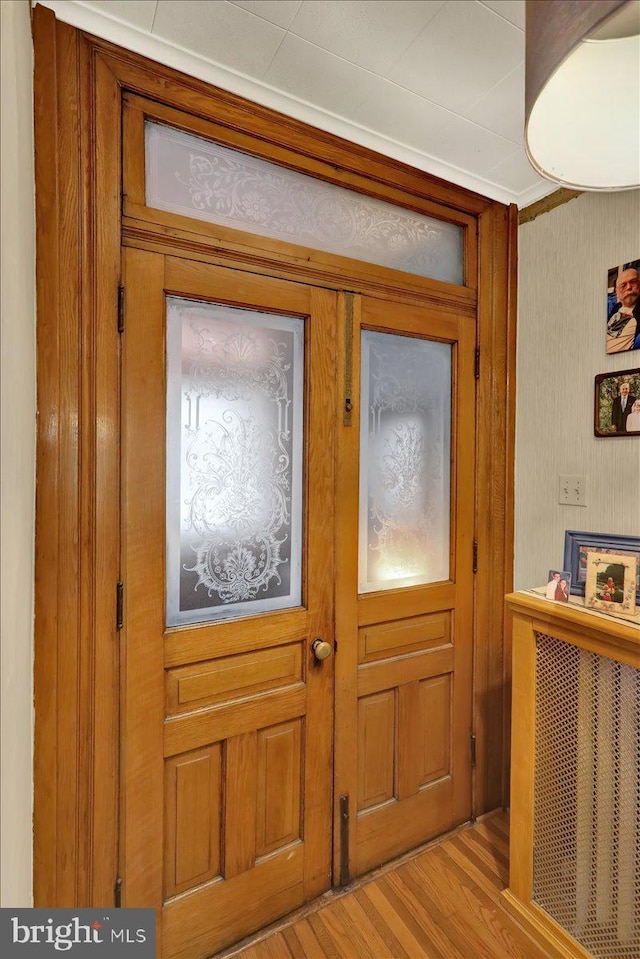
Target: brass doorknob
[[320, 649]]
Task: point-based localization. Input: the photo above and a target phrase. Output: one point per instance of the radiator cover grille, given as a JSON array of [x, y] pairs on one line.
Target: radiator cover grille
[[586, 858]]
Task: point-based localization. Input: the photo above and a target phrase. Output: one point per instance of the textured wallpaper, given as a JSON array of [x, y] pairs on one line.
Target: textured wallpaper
[[563, 260]]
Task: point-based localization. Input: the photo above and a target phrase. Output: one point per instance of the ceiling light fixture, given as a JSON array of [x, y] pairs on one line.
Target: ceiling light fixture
[[582, 92]]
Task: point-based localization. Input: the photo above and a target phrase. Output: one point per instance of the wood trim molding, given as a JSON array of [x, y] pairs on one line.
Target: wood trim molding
[[76, 646], [224, 247], [588, 625], [79, 82], [140, 75], [509, 463], [543, 929], [546, 204], [48, 884], [495, 413]]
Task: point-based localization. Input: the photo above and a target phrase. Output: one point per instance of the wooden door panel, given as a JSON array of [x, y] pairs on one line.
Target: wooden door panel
[[194, 646], [232, 678], [241, 803], [424, 721], [403, 669], [223, 722], [193, 815], [232, 716], [280, 760], [410, 647], [142, 840], [382, 640], [389, 830], [207, 282], [435, 722], [223, 911], [414, 601], [376, 748]]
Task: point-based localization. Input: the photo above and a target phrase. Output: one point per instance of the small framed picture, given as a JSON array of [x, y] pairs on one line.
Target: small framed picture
[[623, 307], [617, 403], [558, 585], [611, 583], [578, 545]]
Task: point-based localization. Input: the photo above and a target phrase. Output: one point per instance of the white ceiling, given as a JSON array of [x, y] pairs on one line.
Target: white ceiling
[[438, 84]]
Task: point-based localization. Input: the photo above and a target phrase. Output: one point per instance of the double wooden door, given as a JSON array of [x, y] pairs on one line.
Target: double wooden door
[[255, 772]]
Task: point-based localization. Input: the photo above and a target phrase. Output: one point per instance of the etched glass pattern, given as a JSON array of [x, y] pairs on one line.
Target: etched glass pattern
[[194, 177], [405, 427], [234, 461]]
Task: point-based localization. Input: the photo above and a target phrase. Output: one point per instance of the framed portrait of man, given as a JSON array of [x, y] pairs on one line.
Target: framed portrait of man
[[617, 403], [623, 307]]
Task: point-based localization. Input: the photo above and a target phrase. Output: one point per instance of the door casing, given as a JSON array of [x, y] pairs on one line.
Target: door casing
[[79, 86]]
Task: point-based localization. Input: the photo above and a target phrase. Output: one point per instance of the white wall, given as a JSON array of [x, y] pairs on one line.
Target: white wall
[[564, 256], [17, 463]]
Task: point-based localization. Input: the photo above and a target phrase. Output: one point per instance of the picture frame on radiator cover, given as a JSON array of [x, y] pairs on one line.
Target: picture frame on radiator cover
[[611, 583], [577, 546]]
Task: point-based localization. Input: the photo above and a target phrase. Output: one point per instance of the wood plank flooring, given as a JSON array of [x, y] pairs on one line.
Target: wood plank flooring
[[442, 902]]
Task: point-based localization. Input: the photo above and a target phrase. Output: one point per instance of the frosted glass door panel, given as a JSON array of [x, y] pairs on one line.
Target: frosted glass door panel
[[405, 437], [234, 461], [194, 177]]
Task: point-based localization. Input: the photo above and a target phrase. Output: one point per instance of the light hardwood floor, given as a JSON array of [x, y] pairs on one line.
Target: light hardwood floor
[[442, 902]]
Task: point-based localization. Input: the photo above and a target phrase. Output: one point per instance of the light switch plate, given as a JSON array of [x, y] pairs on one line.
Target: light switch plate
[[572, 491]]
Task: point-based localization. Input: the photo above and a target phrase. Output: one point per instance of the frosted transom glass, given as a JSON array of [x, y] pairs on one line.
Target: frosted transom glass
[[234, 461], [194, 177], [405, 428]]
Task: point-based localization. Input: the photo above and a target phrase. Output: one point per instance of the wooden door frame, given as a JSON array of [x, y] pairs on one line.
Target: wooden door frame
[[78, 91]]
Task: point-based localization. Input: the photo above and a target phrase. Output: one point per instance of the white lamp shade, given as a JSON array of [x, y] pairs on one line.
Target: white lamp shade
[[583, 127]]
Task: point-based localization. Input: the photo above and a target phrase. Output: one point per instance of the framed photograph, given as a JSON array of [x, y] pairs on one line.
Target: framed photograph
[[578, 545], [558, 585], [623, 307], [617, 403], [611, 583]]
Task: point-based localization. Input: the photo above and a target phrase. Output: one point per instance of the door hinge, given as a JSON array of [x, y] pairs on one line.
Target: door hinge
[[117, 893], [477, 365], [475, 556], [472, 739], [119, 605], [344, 840], [120, 309]]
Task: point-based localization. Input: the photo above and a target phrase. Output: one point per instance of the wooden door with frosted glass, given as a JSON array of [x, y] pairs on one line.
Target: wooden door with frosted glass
[[404, 585], [227, 505]]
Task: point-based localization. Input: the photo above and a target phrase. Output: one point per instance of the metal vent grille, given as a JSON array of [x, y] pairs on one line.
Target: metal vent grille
[[586, 860]]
